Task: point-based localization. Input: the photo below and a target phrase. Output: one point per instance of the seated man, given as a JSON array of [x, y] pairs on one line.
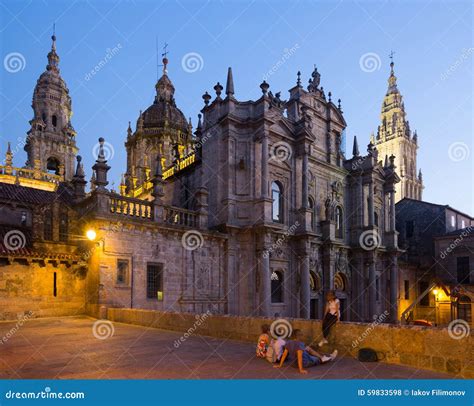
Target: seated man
[[302, 356]]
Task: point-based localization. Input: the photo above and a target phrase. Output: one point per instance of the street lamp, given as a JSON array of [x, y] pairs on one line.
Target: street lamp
[[91, 235]]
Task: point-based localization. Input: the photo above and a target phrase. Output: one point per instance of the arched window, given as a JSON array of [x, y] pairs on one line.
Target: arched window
[[52, 165], [340, 282], [277, 287], [314, 282], [54, 120], [339, 222], [277, 207]]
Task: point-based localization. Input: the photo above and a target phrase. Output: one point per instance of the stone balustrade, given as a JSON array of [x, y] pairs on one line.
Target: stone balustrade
[[130, 207], [181, 217]]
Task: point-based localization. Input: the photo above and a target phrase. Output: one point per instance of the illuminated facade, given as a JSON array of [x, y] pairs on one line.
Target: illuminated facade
[[258, 211]]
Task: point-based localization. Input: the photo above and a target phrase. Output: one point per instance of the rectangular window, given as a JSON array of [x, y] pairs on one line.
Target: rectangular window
[[406, 289], [462, 269], [463, 224], [409, 228], [122, 272], [55, 284], [453, 221], [422, 286], [154, 281]]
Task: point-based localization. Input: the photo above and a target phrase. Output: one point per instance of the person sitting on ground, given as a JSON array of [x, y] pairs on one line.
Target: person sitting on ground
[[302, 356], [275, 350], [263, 342]]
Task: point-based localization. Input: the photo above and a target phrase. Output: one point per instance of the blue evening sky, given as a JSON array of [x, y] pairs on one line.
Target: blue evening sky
[[432, 41]]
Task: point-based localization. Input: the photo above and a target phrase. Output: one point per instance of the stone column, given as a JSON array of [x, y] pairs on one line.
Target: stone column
[[372, 289], [304, 178], [392, 210], [305, 287], [264, 186], [360, 196], [394, 289], [265, 283], [371, 204]]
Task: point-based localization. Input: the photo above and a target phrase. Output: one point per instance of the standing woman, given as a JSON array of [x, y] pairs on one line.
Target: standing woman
[[332, 314]]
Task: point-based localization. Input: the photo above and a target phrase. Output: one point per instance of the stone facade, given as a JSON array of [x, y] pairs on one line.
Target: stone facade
[[258, 212]]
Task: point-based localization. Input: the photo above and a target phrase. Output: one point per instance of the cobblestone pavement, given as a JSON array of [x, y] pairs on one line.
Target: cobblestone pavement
[[66, 348]]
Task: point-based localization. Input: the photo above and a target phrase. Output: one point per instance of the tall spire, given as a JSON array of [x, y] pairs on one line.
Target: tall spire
[[229, 87], [392, 80], [53, 58]]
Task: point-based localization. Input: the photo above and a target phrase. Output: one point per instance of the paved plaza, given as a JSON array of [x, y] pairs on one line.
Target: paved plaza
[[66, 348]]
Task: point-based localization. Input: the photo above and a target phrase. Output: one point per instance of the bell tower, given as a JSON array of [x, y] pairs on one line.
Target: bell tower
[[394, 137], [51, 145]]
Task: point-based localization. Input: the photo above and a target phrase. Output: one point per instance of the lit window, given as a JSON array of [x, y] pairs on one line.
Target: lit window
[[154, 281], [453, 221]]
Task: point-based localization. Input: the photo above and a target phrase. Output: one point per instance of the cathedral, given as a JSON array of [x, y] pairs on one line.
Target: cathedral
[[255, 211]]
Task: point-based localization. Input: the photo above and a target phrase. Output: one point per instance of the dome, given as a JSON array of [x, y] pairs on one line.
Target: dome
[[163, 110]]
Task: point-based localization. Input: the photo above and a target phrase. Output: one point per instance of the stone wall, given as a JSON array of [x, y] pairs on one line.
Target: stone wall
[[28, 288], [414, 346]]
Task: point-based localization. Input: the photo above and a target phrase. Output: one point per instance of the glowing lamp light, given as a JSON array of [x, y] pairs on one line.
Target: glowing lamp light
[[91, 235], [435, 292]]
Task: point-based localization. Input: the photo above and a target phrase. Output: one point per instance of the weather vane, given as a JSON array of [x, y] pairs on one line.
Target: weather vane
[[391, 55], [166, 50]]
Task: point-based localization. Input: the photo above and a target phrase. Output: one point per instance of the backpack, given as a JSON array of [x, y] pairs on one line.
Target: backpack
[[367, 355]]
